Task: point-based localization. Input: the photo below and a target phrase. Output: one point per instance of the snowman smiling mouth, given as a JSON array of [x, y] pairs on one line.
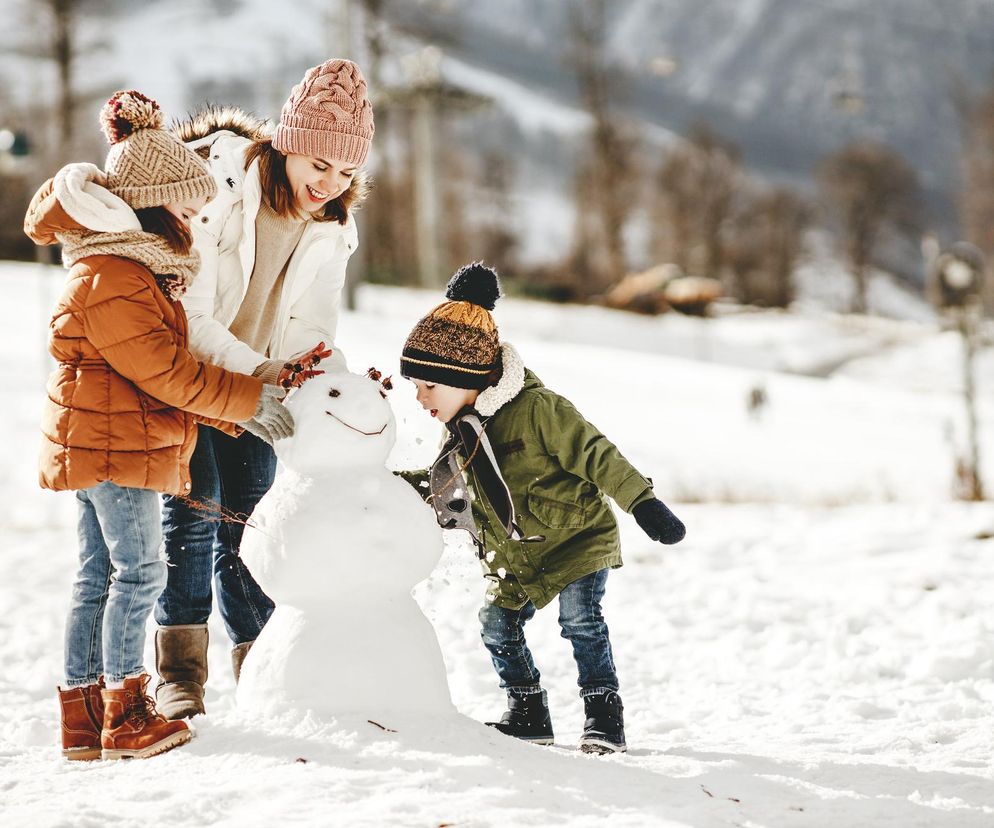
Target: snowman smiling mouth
[[365, 433]]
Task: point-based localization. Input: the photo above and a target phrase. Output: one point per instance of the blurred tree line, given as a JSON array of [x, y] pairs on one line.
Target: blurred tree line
[[437, 202]]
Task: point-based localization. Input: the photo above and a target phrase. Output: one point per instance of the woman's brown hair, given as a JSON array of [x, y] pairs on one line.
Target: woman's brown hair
[[279, 194], [160, 221]]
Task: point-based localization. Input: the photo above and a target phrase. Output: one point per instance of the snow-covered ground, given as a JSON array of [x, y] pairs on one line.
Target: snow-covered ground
[[818, 652]]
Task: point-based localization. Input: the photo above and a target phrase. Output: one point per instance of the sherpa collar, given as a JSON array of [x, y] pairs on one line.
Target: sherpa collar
[[512, 380]]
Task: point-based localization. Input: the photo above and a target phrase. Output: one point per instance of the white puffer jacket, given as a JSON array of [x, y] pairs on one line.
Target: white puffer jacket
[[224, 234]]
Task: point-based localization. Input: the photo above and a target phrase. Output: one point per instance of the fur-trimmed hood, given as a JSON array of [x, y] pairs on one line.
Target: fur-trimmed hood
[[213, 118], [512, 380]]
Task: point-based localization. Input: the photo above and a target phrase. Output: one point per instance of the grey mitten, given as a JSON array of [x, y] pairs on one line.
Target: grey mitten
[[259, 430], [272, 421]]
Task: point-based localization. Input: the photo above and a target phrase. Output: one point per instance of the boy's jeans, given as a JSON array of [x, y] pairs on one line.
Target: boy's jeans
[[582, 624], [233, 473], [121, 573]]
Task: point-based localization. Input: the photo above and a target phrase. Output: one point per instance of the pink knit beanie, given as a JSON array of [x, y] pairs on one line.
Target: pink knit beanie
[[328, 115]]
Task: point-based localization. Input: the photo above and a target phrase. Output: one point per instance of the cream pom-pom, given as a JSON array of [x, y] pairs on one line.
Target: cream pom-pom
[[127, 112]]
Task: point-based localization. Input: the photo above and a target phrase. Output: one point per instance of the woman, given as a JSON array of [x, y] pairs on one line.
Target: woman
[[274, 246]]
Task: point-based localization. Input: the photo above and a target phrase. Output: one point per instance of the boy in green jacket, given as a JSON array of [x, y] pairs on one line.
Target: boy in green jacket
[[526, 475]]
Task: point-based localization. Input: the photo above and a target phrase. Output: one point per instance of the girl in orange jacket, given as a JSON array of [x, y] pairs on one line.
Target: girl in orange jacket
[[122, 407]]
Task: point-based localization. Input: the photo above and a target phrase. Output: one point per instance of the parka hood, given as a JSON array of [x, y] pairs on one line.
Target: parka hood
[[75, 200], [511, 383], [212, 119]]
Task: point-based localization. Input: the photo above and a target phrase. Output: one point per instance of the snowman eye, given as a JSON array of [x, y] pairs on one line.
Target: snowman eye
[[334, 393], [383, 395]]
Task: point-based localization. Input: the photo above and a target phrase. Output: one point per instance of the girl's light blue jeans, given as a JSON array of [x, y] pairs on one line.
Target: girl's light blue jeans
[[121, 573]]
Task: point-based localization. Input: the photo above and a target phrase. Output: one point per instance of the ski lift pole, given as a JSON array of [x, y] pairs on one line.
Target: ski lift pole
[[967, 328], [960, 276]]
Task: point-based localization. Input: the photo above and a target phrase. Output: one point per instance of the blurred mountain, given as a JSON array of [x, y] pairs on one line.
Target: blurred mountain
[[787, 80]]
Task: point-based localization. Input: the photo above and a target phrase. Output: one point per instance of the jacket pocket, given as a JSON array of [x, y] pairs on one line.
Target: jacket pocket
[[556, 514]]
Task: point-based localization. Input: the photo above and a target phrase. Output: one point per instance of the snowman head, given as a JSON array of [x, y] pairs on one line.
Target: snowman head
[[342, 420]]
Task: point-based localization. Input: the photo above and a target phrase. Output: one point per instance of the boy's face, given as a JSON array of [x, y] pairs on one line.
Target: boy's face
[[443, 401]]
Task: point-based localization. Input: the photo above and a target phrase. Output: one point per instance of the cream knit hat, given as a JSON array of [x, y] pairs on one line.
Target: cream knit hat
[[147, 166], [328, 115]]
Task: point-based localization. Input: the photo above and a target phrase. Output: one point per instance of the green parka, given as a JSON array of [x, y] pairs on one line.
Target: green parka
[[558, 468]]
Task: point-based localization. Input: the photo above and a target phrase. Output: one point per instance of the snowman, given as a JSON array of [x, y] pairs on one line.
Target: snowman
[[338, 544]]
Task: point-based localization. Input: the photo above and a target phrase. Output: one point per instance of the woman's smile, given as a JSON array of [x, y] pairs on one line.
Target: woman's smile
[[316, 195]]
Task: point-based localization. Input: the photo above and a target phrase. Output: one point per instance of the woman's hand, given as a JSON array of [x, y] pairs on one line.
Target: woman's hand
[[300, 368]]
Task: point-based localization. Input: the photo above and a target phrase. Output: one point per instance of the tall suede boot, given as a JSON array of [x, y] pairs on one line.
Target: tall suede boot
[[181, 662], [82, 715], [132, 728], [238, 657]]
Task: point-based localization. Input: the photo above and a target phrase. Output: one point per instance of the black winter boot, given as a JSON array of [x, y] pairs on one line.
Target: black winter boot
[[527, 718], [604, 729]]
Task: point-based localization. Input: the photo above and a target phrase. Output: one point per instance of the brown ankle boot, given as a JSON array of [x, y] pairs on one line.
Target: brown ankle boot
[[82, 717], [132, 728]]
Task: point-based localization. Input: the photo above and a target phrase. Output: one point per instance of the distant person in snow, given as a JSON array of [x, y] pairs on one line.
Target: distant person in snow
[[123, 402], [537, 473], [274, 246]]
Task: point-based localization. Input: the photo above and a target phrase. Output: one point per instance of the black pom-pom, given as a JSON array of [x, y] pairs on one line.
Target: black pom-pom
[[475, 283]]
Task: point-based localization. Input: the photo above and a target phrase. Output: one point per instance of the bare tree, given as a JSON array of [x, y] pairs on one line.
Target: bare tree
[[63, 19], [868, 189], [58, 27], [694, 198], [763, 247], [387, 214], [461, 224], [606, 175], [498, 241]]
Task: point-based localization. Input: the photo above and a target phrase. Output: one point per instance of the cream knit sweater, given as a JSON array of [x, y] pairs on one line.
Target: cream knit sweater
[[276, 238]]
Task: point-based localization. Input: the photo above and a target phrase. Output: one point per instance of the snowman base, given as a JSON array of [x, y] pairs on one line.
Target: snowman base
[[364, 671]]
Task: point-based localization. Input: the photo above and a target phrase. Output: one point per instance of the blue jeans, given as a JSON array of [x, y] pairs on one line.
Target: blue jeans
[[582, 624], [232, 473], [121, 573]]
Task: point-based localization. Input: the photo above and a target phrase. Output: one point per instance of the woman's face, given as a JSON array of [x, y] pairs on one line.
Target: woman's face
[[316, 181], [186, 210]]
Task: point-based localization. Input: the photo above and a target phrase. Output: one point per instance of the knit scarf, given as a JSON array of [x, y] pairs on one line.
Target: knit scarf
[[173, 271]]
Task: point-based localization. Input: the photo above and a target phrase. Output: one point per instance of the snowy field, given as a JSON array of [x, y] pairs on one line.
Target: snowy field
[[818, 652]]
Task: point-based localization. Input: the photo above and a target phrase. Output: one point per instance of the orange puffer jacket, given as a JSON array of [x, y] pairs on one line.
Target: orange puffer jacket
[[126, 395]]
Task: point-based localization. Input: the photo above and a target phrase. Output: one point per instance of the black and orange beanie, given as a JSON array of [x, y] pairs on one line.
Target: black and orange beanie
[[457, 343]]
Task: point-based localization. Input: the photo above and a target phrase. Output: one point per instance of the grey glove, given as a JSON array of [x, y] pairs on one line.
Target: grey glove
[[259, 430], [272, 421]]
